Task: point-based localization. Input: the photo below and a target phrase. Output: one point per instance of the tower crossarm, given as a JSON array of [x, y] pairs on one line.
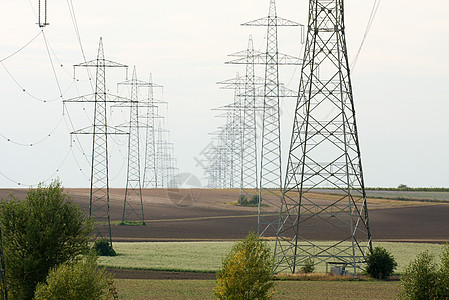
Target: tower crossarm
[[95, 63], [268, 21], [264, 59], [106, 130], [93, 98]]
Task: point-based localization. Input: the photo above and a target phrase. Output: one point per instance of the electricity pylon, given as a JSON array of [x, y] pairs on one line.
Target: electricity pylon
[[248, 136], [324, 152], [270, 179], [99, 180], [150, 178], [133, 202]]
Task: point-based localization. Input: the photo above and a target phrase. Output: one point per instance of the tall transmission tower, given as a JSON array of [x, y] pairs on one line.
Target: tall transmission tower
[[150, 178], [133, 203], [248, 126], [324, 152], [270, 179], [99, 181]]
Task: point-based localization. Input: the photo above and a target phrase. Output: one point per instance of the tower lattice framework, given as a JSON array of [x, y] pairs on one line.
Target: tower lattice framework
[[133, 202], [99, 181], [270, 179], [324, 153], [150, 172], [246, 86]]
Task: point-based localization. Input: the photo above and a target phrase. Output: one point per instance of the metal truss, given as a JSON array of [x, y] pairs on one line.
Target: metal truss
[[270, 179], [248, 126], [324, 152], [165, 161], [150, 171], [133, 202], [99, 188]]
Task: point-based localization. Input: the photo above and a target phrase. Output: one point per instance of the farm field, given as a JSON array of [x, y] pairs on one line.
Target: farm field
[[134, 289], [206, 214], [206, 257], [424, 196], [188, 233]]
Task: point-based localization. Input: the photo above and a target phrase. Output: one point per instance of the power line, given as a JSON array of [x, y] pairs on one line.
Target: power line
[[21, 48], [47, 136], [368, 27]]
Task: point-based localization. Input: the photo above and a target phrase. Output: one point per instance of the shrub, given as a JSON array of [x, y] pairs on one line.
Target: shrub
[[246, 272], [104, 248], [443, 274], [309, 266], [80, 279], [380, 263], [243, 200], [420, 278], [40, 232], [254, 199]]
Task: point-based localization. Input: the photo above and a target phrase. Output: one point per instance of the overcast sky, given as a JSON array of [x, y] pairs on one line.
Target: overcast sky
[[400, 81]]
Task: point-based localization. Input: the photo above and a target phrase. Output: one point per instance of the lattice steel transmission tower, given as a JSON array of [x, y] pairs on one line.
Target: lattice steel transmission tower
[[248, 127], [133, 202], [150, 179], [270, 179], [99, 181], [324, 152]]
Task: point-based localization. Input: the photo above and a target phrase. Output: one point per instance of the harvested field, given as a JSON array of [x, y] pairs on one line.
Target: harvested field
[[207, 215], [198, 215]]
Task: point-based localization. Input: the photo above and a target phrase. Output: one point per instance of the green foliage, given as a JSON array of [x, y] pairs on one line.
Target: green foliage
[[443, 274], [39, 233], [420, 278], [254, 199], [104, 248], [380, 264], [409, 189], [246, 272], [132, 223], [243, 200], [79, 279], [309, 266]]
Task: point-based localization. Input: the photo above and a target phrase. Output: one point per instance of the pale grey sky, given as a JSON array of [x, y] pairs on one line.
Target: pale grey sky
[[400, 81]]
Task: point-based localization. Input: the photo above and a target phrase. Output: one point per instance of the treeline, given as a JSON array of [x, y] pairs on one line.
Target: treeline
[[409, 189]]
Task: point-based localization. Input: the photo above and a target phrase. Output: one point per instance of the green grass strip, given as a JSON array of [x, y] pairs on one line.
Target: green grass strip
[[208, 256]]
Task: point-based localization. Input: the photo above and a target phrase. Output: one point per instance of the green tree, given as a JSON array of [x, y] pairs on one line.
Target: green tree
[[443, 274], [380, 263], [420, 279], [40, 232], [247, 271], [76, 280]]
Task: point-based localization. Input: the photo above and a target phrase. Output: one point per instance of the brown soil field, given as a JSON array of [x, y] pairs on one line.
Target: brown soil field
[[207, 214]]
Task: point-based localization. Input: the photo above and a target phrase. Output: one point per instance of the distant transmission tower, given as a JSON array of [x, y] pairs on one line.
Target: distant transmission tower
[[324, 152], [99, 182], [248, 127], [150, 171], [270, 186], [133, 203]]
